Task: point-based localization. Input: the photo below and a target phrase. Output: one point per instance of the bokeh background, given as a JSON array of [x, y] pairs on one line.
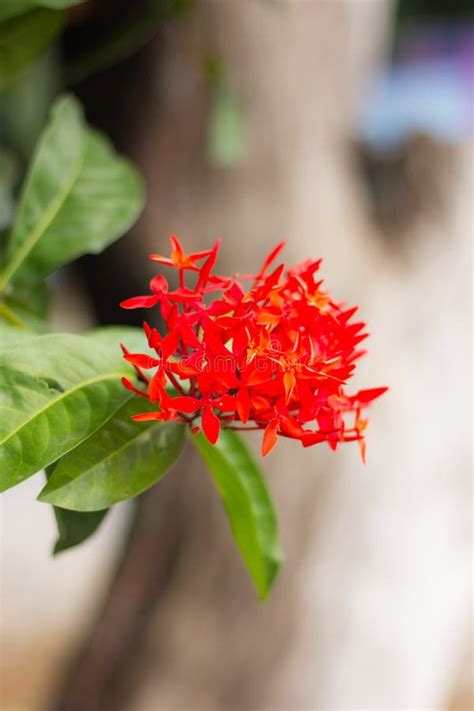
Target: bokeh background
[[344, 127]]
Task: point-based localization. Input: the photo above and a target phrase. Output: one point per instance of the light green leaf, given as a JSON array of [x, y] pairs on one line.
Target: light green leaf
[[26, 308], [134, 340], [79, 197], [11, 335], [131, 336], [247, 503], [11, 8], [23, 39], [53, 395], [25, 106], [119, 461]]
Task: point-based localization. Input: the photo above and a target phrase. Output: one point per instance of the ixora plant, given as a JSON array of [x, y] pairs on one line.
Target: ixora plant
[[274, 355]]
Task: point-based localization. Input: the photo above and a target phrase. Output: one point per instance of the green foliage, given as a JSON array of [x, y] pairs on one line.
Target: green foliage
[[124, 33], [53, 395], [8, 177], [247, 503], [11, 8], [23, 38], [74, 527], [63, 407], [118, 462], [10, 336], [27, 308], [24, 109], [111, 336], [57, 390], [79, 197]]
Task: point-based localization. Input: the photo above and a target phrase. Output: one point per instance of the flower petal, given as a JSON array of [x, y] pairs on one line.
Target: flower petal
[[366, 396], [127, 384], [158, 284], [140, 302], [270, 437], [242, 402], [210, 424], [183, 403], [142, 360], [155, 415]]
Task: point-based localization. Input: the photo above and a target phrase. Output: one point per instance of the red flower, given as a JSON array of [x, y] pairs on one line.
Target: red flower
[[275, 357], [179, 259]]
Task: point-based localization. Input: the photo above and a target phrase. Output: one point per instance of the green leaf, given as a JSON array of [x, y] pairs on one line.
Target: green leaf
[[54, 393], [11, 8], [9, 170], [11, 335], [124, 34], [26, 308], [119, 461], [74, 527], [23, 39], [131, 336], [79, 197], [247, 503], [25, 106]]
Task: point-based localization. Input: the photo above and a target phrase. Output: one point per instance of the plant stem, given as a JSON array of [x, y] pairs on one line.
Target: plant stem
[[175, 383], [244, 429]]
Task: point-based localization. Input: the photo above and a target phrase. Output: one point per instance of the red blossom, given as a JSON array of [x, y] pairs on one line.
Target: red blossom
[[274, 357]]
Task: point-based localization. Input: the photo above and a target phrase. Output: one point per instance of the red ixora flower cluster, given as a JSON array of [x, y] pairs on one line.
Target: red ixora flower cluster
[[274, 357]]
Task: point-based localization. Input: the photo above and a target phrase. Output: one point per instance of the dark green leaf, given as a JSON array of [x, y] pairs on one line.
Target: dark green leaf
[[11, 8], [247, 503], [23, 38], [79, 197], [119, 461], [53, 395], [9, 170], [123, 35], [74, 527]]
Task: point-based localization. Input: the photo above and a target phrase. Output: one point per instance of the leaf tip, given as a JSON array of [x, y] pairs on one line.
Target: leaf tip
[[44, 496]]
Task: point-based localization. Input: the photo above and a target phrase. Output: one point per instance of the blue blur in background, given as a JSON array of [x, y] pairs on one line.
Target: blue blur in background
[[428, 88]]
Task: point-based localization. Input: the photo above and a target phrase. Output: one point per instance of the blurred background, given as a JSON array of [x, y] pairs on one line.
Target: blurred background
[[344, 127]]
